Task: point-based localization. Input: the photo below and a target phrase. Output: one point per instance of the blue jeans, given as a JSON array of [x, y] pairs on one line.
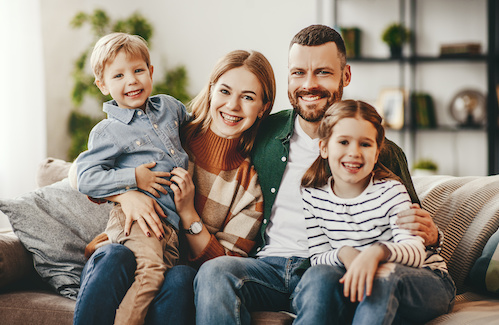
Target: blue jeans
[[107, 276], [228, 289], [406, 295]]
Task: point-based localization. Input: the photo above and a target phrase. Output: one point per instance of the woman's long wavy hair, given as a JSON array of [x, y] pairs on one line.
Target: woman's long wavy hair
[[318, 174], [257, 64]]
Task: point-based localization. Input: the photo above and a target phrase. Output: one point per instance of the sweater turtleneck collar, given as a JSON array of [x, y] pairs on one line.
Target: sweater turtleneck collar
[[212, 150]]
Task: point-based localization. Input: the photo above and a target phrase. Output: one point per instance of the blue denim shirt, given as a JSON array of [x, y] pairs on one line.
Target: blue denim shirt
[[129, 138]]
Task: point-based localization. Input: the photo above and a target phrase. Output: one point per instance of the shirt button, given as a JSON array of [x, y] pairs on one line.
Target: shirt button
[[264, 221], [176, 123], [283, 158], [272, 190], [258, 249], [155, 126], [172, 151], [137, 142], [139, 113]]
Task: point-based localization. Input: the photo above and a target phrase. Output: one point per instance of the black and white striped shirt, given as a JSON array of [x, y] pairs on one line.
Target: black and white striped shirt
[[334, 222]]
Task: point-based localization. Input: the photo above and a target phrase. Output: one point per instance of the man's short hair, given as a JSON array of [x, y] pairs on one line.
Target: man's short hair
[[315, 35]]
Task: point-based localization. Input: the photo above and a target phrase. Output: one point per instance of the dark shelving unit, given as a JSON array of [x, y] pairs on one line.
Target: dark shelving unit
[[491, 59]]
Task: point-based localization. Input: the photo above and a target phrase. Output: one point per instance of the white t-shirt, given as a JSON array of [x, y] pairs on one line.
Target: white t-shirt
[[286, 234]]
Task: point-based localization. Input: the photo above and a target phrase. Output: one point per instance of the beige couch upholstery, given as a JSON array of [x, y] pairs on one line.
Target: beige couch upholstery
[[465, 208]]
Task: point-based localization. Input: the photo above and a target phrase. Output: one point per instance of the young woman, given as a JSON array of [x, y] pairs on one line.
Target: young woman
[[218, 199], [379, 272]]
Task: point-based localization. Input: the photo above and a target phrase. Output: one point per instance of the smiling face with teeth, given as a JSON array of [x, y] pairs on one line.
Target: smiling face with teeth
[[128, 80], [236, 103], [352, 153], [317, 75]]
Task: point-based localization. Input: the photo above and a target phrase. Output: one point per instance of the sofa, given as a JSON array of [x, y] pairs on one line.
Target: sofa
[[466, 209]]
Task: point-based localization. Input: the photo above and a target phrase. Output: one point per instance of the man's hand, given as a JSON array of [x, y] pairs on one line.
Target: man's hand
[[142, 208], [150, 181], [420, 223]]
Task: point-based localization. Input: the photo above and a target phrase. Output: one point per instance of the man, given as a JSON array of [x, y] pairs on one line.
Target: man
[[229, 288]]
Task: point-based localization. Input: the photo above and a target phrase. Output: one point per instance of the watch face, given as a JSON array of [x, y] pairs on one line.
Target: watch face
[[196, 227]]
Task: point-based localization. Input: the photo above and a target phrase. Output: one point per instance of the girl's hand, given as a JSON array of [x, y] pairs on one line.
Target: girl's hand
[[142, 208], [183, 188], [360, 273], [150, 181]]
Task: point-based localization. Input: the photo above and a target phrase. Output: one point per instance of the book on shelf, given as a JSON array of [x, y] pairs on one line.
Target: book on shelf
[[460, 49], [351, 36], [422, 104]]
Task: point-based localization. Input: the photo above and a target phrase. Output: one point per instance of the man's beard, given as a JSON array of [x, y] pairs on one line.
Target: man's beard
[[314, 113]]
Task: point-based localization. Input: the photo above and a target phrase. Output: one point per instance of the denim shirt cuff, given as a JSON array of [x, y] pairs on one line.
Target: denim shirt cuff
[[125, 179]]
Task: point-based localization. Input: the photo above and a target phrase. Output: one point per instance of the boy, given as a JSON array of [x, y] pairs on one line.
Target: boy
[[139, 129]]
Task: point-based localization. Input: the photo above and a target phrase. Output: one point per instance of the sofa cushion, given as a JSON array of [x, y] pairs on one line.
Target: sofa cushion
[[15, 261], [55, 223], [467, 210], [35, 307], [485, 271]]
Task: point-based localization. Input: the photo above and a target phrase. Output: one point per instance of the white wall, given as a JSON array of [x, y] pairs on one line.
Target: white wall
[[194, 33], [22, 98]]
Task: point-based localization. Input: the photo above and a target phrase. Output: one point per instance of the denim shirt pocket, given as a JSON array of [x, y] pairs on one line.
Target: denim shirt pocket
[[173, 132], [141, 150]]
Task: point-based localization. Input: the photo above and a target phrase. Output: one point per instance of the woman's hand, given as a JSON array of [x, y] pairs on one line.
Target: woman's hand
[[419, 222], [184, 190], [150, 181], [142, 208], [360, 273]]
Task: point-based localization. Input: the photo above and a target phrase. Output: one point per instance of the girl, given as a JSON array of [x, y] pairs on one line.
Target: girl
[[351, 203], [218, 199]]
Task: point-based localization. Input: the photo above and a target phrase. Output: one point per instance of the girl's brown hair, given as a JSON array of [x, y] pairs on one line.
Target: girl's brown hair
[[257, 64], [318, 174]]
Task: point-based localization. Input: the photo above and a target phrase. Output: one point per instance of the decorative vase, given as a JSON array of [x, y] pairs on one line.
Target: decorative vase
[[396, 52]]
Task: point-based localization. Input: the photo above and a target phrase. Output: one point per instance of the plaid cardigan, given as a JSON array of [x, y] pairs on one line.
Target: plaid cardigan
[[228, 196]]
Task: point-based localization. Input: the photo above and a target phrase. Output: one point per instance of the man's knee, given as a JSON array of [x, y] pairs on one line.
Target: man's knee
[[322, 276], [220, 266], [219, 275]]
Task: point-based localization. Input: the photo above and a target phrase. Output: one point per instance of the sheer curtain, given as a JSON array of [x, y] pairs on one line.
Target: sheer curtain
[[22, 97]]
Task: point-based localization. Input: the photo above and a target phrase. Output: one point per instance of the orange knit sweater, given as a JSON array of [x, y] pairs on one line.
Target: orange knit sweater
[[228, 196]]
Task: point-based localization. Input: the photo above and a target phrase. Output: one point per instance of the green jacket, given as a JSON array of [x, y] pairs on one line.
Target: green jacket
[[270, 155]]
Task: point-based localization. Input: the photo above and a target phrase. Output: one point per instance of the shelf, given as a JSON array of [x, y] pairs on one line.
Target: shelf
[[416, 72], [448, 128], [414, 59]]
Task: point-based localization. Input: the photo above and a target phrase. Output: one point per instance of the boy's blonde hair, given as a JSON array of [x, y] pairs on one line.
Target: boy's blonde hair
[[107, 48]]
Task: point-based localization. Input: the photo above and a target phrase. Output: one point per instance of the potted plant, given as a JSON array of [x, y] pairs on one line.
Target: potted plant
[[396, 35], [425, 167]]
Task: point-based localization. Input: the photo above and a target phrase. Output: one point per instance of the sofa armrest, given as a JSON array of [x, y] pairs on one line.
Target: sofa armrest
[[15, 261]]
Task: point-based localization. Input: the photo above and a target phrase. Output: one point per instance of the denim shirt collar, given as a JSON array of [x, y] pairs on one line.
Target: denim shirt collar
[[123, 115]]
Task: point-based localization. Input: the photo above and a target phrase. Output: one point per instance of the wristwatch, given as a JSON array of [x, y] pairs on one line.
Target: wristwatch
[[440, 242], [195, 228]]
